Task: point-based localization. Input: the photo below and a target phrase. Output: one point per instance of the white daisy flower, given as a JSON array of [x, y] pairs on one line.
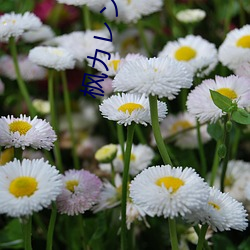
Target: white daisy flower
[[14, 25], [200, 103], [235, 49], [221, 212], [236, 179], [141, 157], [191, 15], [169, 192], [90, 3], [156, 76], [128, 108], [132, 10], [83, 44], [115, 62], [197, 53], [247, 191], [42, 34], [29, 70], [110, 195], [51, 57], [28, 186], [26, 132], [174, 124]]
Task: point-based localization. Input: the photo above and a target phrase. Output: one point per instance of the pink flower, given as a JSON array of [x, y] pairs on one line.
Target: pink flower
[[80, 192]]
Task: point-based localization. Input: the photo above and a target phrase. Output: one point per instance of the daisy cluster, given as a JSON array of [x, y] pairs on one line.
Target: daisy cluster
[[156, 68]]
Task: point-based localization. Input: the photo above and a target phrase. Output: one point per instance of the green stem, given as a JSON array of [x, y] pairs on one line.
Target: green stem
[[27, 229], [124, 234], [156, 130], [69, 118], [86, 17], [21, 84], [50, 233], [112, 173], [203, 170], [205, 244], [120, 136], [143, 37], [202, 237], [226, 158], [173, 235], [236, 142], [54, 120], [215, 164]]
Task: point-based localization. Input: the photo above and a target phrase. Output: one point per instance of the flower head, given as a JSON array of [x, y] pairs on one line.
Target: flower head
[[200, 103], [128, 108], [196, 53], [26, 132], [106, 153], [51, 57], [14, 25], [156, 76], [42, 34], [89, 3], [235, 49], [80, 192], [191, 15], [169, 192], [28, 186], [29, 70], [221, 212]]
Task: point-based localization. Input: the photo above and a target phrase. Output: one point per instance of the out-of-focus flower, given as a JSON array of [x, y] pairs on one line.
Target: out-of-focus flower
[[221, 212], [169, 192], [41, 106], [83, 44], [200, 103], [235, 49], [51, 57], [141, 157], [131, 11], [128, 108], [6, 156], [28, 69], [156, 76], [197, 53], [243, 69], [90, 3], [106, 154], [177, 124], [26, 132], [42, 34], [191, 15], [28, 186], [14, 25], [80, 192]]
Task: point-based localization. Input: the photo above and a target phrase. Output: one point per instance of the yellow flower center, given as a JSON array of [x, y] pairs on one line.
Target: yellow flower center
[[244, 42], [185, 53], [229, 181], [70, 185], [132, 157], [20, 126], [170, 182], [227, 92], [13, 21], [129, 1], [180, 125], [114, 64], [214, 205], [23, 186], [130, 107]]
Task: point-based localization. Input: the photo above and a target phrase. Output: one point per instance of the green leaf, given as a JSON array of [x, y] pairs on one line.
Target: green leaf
[[241, 116], [221, 101], [215, 130]]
